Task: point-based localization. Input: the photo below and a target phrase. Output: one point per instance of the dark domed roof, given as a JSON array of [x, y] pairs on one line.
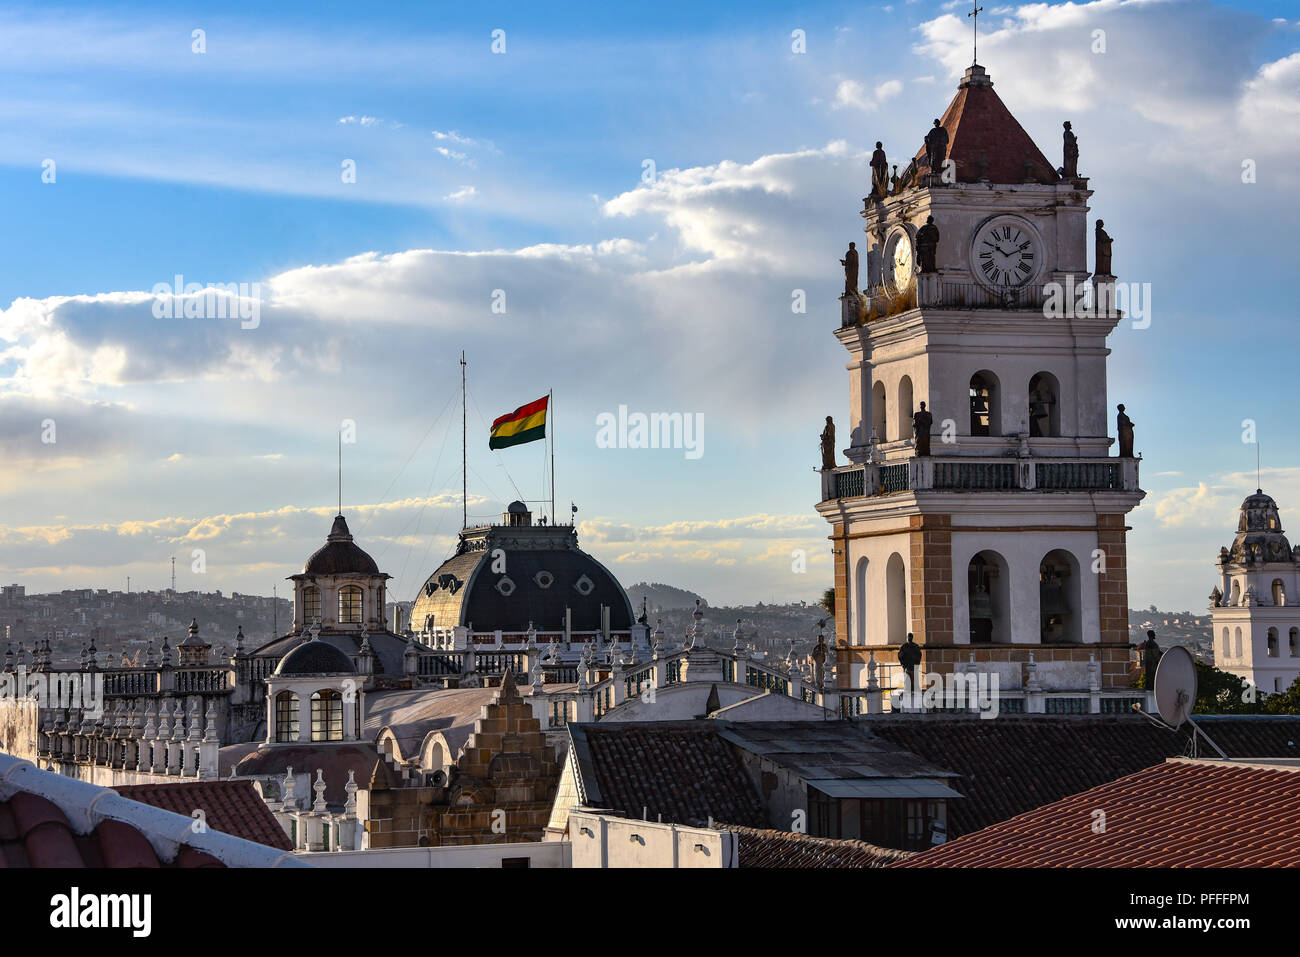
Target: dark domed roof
[[1259, 500], [517, 508], [315, 658], [340, 555]]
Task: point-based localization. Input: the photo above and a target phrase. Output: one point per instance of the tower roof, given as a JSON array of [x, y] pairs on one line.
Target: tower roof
[[1259, 532], [340, 555], [981, 130]]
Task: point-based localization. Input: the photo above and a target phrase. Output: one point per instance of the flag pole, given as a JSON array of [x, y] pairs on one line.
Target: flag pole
[[464, 480], [550, 414]]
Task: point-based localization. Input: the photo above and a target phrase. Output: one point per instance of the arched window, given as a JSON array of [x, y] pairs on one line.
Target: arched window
[[1237, 643], [1272, 642], [1044, 405], [350, 605], [984, 404], [988, 598], [1227, 650], [1058, 597], [905, 409], [896, 596], [1236, 594], [1293, 642], [310, 604], [1279, 592], [286, 716], [858, 602], [878, 410], [326, 716]]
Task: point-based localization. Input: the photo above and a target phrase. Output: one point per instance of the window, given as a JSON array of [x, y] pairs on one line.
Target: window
[[983, 404], [1293, 640], [286, 716], [1279, 592], [1236, 652], [350, 605], [327, 716], [1044, 405], [904, 408], [310, 604], [1272, 642]]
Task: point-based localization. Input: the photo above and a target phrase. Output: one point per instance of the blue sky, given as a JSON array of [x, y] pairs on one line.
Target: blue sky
[[522, 171]]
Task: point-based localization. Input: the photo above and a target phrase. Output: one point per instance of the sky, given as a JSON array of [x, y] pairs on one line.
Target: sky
[[616, 203]]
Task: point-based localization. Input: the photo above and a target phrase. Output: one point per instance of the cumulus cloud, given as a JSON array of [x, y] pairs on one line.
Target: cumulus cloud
[[851, 93]]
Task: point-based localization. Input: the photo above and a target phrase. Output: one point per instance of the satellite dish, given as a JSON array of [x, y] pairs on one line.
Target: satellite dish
[[1175, 685]]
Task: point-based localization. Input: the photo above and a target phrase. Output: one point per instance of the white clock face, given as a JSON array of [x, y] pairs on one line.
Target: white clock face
[[900, 260], [1005, 253]]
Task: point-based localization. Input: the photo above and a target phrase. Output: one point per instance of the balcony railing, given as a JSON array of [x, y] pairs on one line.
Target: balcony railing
[[972, 473]]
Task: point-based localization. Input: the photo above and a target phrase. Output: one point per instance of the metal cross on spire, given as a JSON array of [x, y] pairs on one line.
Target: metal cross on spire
[[976, 25]]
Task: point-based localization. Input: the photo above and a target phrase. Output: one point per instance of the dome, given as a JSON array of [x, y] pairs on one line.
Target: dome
[[1259, 532], [314, 657], [340, 555], [517, 508], [545, 574]]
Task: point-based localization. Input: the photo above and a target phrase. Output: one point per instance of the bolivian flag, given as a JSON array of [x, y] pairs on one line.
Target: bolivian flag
[[525, 424]]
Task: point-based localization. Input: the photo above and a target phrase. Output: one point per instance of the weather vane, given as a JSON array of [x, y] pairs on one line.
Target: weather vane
[[976, 14]]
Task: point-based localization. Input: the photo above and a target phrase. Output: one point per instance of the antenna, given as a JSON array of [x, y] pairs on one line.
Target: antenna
[[340, 471], [464, 445], [1257, 485], [976, 14], [173, 573]]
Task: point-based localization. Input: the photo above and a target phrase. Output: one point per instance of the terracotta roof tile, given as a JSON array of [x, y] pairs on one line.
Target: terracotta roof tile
[[1070, 754], [232, 807], [771, 848], [1178, 814]]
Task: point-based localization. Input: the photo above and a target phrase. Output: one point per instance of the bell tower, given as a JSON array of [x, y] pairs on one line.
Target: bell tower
[[982, 509]]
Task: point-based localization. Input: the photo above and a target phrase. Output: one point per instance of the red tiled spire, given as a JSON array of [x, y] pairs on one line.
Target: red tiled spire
[[981, 130]]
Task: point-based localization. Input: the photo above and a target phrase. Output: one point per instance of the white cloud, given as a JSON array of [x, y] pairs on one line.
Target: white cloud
[[851, 93], [464, 193]]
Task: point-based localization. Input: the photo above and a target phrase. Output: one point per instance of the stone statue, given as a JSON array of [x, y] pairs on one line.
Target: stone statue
[[1103, 251], [1150, 658], [819, 661], [879, 173], [927, 245], [1071, 168], [850, 264], [828, 444], [921, 422], [909, 656], [936, 151], [894, 182], [1124, 425]]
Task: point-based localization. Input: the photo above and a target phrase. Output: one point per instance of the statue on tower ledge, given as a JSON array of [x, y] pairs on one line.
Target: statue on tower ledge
[[921, 423], [1150, 659], [1071, 168], [828, 444], [850, 264], [936, 151], [927, 245], [909, 656], [1103, 251], [1124, 425], [879, 173]]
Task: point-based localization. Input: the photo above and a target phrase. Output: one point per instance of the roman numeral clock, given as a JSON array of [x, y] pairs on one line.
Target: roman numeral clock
[[1006, 252]]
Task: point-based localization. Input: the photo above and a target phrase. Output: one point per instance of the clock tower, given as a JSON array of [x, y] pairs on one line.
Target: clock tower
[[997, 538]]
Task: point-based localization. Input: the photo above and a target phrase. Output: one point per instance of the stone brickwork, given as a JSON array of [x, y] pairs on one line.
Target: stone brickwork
[[841, 549], [1112, 593], [931, 587]]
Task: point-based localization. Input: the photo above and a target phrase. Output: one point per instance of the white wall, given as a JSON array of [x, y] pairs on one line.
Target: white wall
[[550, 854], [601, 840]]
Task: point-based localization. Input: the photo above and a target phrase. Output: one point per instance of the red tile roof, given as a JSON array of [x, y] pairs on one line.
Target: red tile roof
[[980, 127], [1070, 754], [1179, 814], [232, 807], [49, 820], [770, 848]]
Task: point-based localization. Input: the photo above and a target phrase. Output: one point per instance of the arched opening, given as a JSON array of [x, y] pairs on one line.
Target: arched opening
[[434, 759], [286, 716], [326, 716], [1236, 636], [896, 595], [350, 605], [1058, 597], [878, 410], [1236, 594], [1279, 592], [905, 409], [1225, 649], [1044, 405], [1272, 642], [988, 588], [859, 602], [1293, 641], [310, 604], [984, 411]]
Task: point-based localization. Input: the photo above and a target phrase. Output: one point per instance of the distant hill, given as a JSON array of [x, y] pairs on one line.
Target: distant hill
[[662, 597]]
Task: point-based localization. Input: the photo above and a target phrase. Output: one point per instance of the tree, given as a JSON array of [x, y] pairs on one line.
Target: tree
[[828, 600], [1221, 692]]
